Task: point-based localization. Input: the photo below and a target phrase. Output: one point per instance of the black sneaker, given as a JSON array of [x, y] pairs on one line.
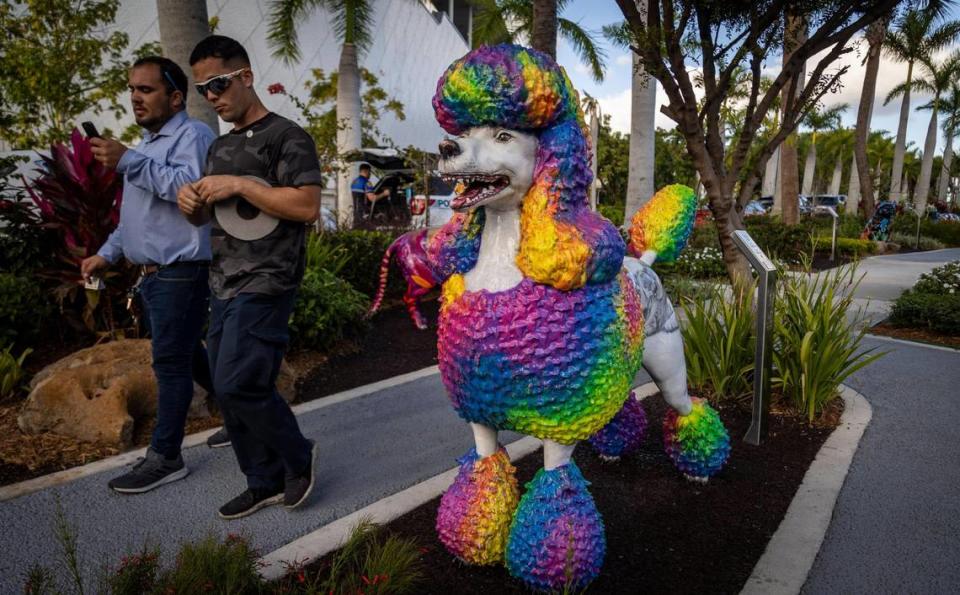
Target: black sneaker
[[153, 470], [219, 439], [298, 489], [250, 502]]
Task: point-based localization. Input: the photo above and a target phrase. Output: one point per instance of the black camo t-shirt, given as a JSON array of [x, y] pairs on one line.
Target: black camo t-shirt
[[278, 151]]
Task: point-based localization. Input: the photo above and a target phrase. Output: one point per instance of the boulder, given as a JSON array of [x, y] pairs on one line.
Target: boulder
[[99, 393]]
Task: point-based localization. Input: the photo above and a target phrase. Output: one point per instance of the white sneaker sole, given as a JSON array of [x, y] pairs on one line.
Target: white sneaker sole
[[219, 445], [313, 479], [261, 504], [175, 476]]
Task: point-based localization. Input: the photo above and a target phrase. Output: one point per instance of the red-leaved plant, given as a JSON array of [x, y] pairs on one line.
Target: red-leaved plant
[[78, 201]]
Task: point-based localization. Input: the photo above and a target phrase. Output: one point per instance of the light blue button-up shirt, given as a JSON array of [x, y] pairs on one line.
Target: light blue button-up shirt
[[152, 229]]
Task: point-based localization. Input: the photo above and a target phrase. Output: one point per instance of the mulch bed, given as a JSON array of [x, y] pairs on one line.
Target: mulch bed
[[664, 533], [920, 335]]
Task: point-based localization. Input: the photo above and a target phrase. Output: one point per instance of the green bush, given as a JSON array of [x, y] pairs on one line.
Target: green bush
[[11, 371], [718, 343], [137, 574], [779, 241], [701, 263], [612, 212], [815, 347], [214, 566], [23, 309], [854, 248], [365, 250], [939, 313], [327, 310], [947, 232], [910, 241], [325, 255], [942, 280]]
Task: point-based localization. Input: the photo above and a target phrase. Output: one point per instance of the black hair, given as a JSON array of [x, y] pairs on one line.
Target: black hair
[[365, 166], [171, 74], [219, 46]]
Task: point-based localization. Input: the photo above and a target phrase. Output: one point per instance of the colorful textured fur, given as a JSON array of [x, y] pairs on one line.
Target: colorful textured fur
[[554, 355]]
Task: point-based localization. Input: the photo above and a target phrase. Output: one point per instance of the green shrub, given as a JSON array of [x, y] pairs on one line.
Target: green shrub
[[327, 310], [369, 562], [612, 212], [11, 371], [364, 251], [939, 313], [942, 280], [910, 241], [23, 309], [815, 347], [322, 254], [779, 241], [212, 566], [947, 232], [854, 248], [698, 263], [718, 343], [137, 574]]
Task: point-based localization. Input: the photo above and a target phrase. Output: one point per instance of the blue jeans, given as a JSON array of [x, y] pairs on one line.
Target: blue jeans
[[246, 340], [175, 300]]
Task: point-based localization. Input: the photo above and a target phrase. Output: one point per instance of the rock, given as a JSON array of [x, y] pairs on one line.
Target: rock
[[99, 393]]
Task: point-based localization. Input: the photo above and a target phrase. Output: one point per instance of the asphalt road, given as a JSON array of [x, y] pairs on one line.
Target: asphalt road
[[896, 525]]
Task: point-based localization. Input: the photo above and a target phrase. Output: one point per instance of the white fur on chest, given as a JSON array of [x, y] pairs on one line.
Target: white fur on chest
[[496, 268]]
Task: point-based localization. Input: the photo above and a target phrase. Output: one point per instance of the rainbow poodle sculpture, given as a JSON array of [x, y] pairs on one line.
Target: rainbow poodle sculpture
[[543, 319]]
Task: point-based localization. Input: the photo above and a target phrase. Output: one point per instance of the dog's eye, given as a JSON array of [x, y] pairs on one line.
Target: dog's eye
[[504, 137]]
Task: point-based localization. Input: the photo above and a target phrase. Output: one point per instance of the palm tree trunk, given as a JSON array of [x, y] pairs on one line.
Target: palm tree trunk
[[544, 35], [594, 140], [900, 148], [183, 23], [770, 173], [835, 180], [794, 35], [348, 132], [853, 190], [944, 178], [642, 130], [922, 190], [875, 34], [810, 166]]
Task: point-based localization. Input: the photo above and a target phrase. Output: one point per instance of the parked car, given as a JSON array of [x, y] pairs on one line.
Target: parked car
[[829, 200], [754, 208], [806, 208]]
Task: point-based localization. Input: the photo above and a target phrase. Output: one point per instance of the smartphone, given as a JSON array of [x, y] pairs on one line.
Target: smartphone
[[90, 129]]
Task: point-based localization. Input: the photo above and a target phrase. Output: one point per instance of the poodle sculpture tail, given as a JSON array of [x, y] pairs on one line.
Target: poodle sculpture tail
[[410, 250], [660, 230]]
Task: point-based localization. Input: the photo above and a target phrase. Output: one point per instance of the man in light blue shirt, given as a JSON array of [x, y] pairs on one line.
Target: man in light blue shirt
[[173, 254]]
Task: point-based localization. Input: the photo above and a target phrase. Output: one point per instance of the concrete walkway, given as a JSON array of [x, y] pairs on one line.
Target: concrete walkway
[[378, 444]]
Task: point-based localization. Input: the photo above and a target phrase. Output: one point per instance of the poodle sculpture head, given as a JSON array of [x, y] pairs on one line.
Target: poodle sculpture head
[[520, 143]]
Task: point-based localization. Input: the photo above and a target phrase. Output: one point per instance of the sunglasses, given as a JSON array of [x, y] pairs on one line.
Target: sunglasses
[[218, 84]]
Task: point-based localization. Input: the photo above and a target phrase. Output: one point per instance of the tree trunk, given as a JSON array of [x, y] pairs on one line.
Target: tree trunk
[[896, 173], [926, 166], [835, 180], [810, 166], [944, 178], [853, 190], [183, 23], [875, 34], [642, 131], [348, 133], [794, 35], [771, 174], [544, 35], [594, 140]]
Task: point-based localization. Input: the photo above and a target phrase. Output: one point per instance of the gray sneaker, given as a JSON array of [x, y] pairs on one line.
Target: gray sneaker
[[219, 439], [150, 472]]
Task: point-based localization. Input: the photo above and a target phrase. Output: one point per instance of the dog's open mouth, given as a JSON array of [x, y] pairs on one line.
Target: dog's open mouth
[[475, 187]]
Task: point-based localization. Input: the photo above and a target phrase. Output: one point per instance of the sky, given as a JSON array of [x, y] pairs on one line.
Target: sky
[[614, 92]]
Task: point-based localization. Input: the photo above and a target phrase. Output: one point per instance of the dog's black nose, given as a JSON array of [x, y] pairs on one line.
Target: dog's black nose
[[449, 148]]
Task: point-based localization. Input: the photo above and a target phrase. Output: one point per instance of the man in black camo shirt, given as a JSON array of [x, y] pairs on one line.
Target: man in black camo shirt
[[253, 282]]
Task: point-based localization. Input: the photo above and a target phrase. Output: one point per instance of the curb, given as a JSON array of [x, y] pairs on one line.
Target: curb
[[36, 484], [791, 552], [324, 540]]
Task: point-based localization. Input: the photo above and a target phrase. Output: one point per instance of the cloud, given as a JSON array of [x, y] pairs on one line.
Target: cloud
[[618, 107], [623, 60]]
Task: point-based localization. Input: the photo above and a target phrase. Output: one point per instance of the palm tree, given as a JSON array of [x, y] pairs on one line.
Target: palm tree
[[915, 38], [508, 21], [875, 34], [794, 34], [817, 120], [183, 23], [937, 81], [353, 21], [950, 106], [837, 148]]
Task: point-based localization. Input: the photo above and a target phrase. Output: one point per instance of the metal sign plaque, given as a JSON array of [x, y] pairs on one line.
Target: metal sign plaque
[[749, 247]]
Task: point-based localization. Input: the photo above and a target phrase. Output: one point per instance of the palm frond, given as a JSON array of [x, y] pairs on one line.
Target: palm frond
[[941, 37], [282, 22], [619, 34], [489, 25], [353, 21], [585, 45], [898, 91]]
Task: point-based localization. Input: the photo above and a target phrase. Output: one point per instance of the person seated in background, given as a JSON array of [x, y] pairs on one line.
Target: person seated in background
[[361, 184]]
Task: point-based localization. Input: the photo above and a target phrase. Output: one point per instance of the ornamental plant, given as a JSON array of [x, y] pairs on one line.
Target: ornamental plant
[[78, 200]]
